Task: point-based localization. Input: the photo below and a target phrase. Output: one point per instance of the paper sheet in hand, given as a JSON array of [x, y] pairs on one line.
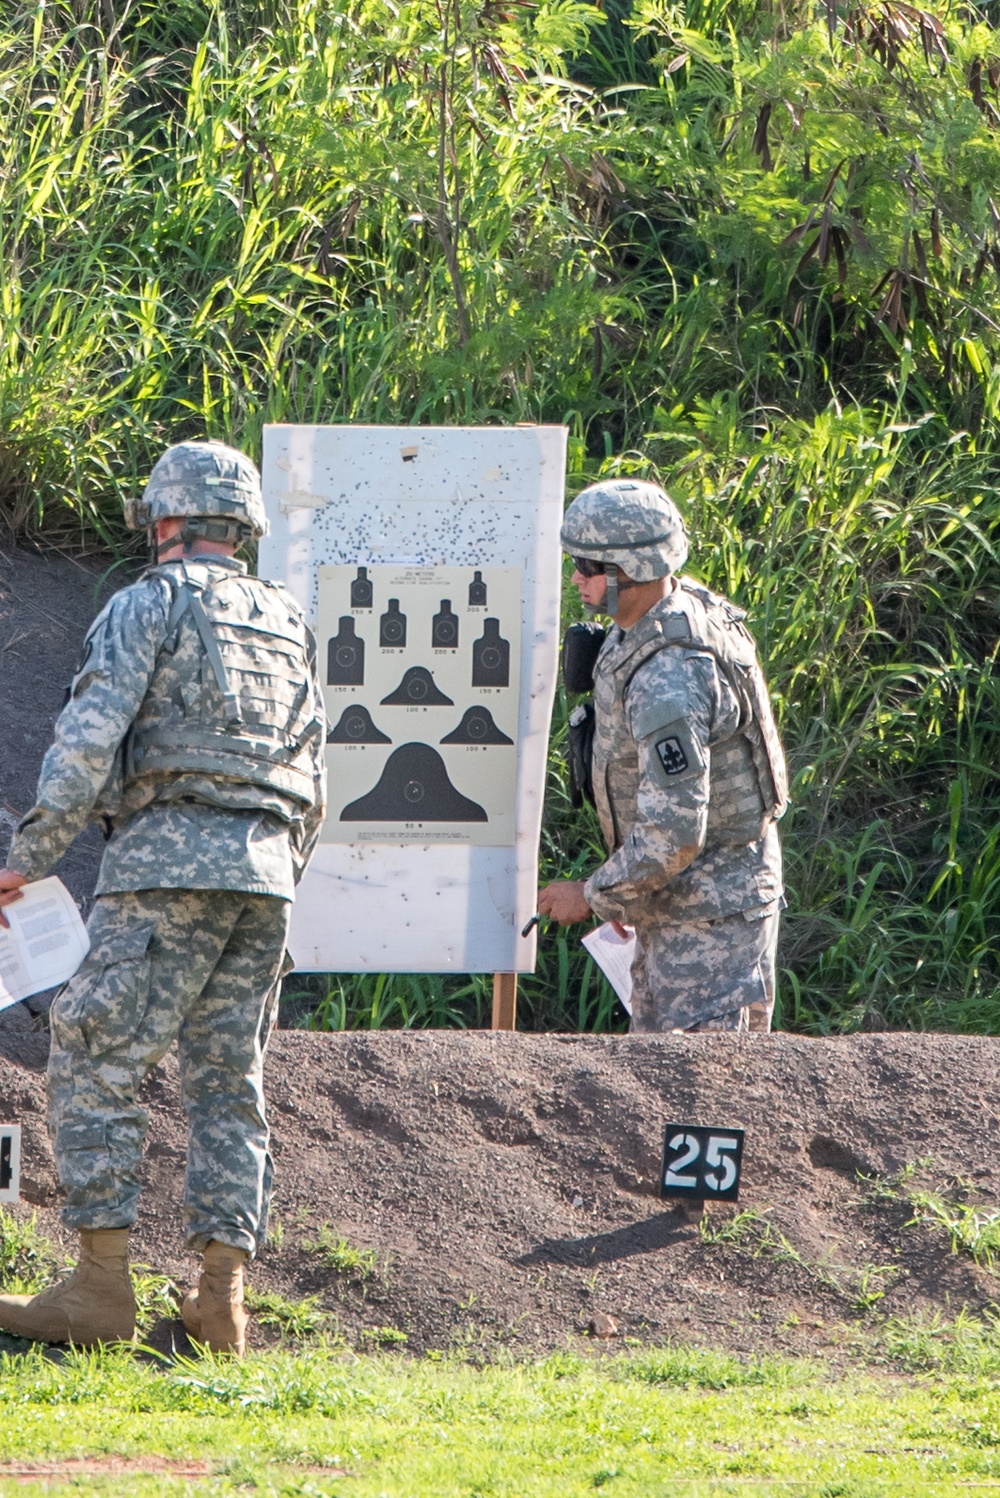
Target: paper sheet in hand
[[45, 944], [613, 955]]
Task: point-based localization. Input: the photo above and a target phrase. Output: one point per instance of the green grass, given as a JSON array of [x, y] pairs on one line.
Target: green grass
[[356, 1265], [862, 1288], [973, 1228], [971, 1225], [966, 1348], [156, 1297], [28, 1259], [673, 1421], [294, 1318], [382, 1336], [956, 1209]]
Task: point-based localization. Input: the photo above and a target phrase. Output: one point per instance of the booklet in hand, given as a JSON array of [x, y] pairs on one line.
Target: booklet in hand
[[613, 955], [45, 944]]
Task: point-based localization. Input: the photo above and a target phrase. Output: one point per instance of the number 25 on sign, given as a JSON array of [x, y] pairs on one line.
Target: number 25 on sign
[[702, 1163]]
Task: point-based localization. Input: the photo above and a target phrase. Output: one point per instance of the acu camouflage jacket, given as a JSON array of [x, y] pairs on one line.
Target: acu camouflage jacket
[[689, 776], [150, 744]]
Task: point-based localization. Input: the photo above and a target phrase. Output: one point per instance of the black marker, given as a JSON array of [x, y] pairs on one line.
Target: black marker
[[533, 922]]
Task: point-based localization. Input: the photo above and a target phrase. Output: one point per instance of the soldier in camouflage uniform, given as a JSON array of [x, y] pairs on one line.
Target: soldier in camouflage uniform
[[688, 773], [194, 733]]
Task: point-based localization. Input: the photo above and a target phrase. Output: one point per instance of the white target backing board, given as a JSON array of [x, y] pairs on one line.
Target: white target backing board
[[427, 561]]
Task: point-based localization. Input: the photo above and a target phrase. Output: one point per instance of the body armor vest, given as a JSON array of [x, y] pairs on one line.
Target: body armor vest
[[749, 786], [232, 692]]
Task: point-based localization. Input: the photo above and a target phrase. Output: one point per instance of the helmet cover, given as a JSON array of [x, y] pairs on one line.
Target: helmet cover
[[201, 480], [629, 523]]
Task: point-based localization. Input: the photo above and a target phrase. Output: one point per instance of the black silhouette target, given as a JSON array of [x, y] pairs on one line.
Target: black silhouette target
[[444, 628], [356, 727], [477, 727], [417, 689], [414, 787], [392, 626], [362, 592], [491, 657], [345, 656]]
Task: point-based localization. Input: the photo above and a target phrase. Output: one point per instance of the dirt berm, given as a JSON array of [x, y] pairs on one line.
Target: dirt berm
[[507, 1183]]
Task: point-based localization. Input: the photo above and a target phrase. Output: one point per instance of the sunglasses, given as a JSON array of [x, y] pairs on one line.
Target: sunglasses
[[587, 567]]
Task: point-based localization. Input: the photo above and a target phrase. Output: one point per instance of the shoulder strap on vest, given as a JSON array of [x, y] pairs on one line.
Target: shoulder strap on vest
[[186, 600]]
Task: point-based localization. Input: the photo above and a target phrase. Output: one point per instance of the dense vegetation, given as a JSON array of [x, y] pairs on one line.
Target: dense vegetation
[[751, 250]]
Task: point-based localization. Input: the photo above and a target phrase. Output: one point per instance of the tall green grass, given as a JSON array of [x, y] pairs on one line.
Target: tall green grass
[[748, 251]]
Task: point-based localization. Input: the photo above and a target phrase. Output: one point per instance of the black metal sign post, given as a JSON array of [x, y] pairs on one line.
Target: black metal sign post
[[701, 1164]]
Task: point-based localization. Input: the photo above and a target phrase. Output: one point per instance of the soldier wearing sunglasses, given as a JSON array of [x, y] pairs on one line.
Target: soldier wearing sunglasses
[[687, 770]]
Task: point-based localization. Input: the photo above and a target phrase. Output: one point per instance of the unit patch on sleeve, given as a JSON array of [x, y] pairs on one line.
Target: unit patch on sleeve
[[672, 756]]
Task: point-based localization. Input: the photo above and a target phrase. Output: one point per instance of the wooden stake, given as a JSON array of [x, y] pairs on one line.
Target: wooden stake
[[504, 1001]]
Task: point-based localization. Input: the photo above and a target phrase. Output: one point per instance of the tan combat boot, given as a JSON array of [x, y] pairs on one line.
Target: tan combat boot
[[213, 1314], [93, 1304]]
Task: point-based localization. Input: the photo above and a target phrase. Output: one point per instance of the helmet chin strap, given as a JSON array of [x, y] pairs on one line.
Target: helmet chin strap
[[617, 583], [230, 532]]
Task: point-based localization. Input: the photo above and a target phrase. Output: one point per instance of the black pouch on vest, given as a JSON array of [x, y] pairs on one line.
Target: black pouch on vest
[[580, 752], [581, 647]]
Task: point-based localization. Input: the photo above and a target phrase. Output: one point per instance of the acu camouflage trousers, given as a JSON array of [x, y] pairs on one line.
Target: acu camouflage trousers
[[199, 966], [705, 975]]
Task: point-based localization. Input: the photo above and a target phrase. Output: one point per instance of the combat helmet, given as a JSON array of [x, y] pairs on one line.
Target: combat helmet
[[626, 523], [214, 488]]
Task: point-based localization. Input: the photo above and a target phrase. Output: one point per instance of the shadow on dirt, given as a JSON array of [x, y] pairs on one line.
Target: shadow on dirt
[[659, 1232]]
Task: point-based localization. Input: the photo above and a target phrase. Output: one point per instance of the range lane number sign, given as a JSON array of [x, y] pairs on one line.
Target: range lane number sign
[[10, 1162], [701, 1163]]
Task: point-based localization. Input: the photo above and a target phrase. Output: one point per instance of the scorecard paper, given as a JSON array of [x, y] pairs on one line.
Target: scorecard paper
[[45, 944], [613, 955]]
